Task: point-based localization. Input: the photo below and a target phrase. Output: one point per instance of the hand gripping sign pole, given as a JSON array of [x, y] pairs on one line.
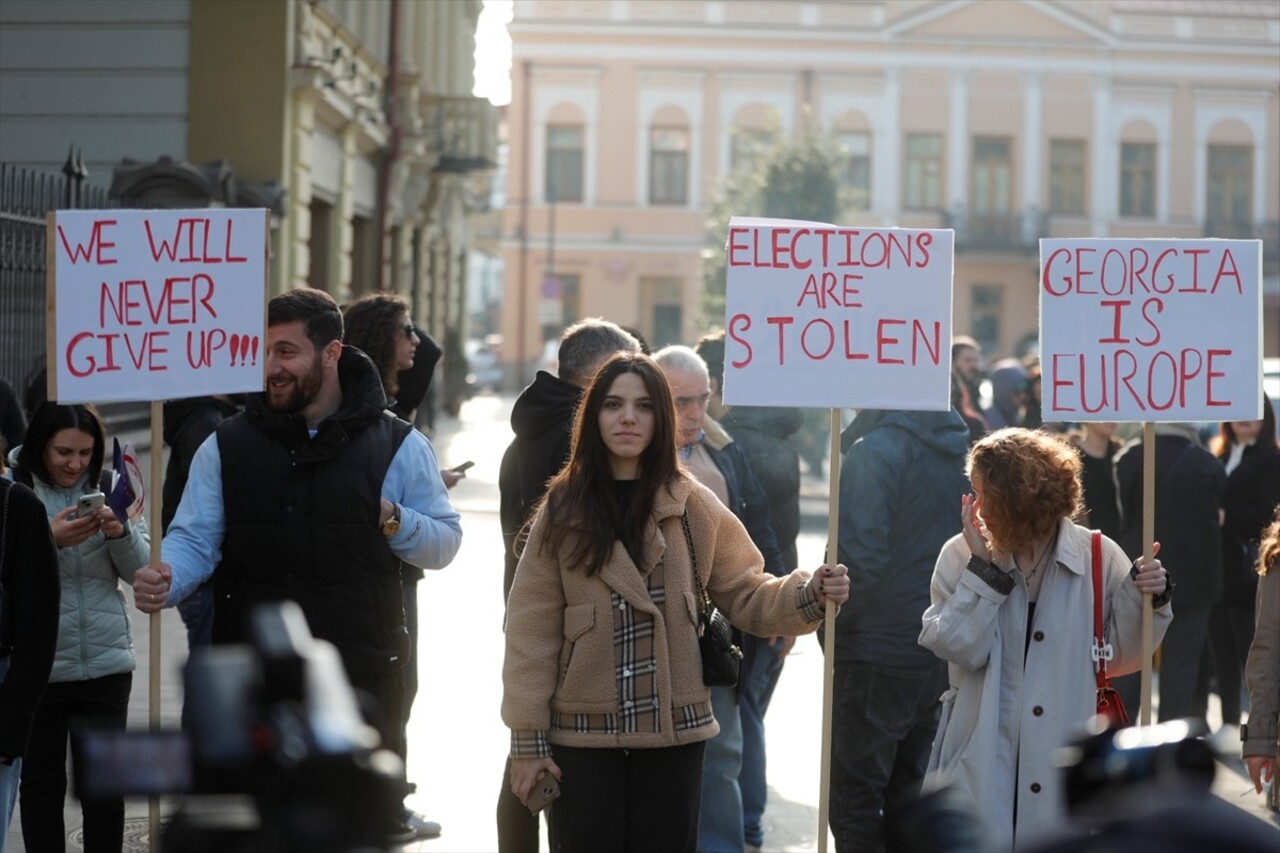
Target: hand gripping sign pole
[[155, 305], [823, 316], [1147, 331]]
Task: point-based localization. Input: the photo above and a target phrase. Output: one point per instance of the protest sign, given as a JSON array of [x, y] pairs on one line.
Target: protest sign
[[828, 316], [156, 304], [1151, 330]]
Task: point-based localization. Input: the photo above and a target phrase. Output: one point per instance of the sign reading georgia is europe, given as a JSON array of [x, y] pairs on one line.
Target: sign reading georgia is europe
[[1151, 330], [833, 317], [156, 304]]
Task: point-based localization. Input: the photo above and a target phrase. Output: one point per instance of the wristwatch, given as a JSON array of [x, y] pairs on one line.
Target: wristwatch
[[391, 526]]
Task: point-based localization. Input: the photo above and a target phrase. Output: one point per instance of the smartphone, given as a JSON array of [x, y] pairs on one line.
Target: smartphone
[[545, 790], [462, 469], [90, 503]]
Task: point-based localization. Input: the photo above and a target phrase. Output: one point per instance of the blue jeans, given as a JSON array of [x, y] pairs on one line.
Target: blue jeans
[[720, 818], [882, 727], [10, 775], [761, 667], [196, 611]]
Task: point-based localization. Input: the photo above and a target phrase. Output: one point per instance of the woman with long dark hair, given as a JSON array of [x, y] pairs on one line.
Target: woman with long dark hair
[[603, 683], [94, 662], [1251, 456]]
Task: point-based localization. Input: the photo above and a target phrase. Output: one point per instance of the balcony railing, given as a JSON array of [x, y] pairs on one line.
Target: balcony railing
[[997, 232], [462, 130], [1267, 232]]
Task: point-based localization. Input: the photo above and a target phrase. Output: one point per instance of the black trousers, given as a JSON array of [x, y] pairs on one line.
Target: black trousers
[[98, 702], [627, 800], [517, 828]]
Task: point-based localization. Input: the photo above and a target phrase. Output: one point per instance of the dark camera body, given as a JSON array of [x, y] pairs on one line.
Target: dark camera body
[[278, 757]]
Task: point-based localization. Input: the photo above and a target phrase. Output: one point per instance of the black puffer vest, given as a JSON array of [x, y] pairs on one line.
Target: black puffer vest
[[302, 523]]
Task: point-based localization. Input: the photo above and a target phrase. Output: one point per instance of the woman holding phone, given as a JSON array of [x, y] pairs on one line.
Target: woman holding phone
[[93, 665], [603, 678]]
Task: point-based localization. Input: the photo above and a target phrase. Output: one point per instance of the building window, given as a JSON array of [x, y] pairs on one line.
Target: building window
[[992, 175], [1066, 177], [750, 145], [661, 310], [564, 162], [320, 239], [922, 177], [985, 305], [571, 297], [855, 169], [1230, 197], [1137, 179], [668, 165]]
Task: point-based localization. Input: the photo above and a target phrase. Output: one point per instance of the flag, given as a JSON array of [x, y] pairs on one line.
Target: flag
[[127, 498]]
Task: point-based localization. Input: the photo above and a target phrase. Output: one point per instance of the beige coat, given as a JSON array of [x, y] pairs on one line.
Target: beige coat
[[1262, 673], [560, 654]]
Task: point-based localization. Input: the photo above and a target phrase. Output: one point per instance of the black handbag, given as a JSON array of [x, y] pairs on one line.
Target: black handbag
[[721, 659]]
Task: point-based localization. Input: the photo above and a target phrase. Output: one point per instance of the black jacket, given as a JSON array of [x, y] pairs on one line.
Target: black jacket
[[187, 423], [302, 523], [542, 419], [764, 434], [901, 481], [1249, 501], [1189, 482], [29, 611]]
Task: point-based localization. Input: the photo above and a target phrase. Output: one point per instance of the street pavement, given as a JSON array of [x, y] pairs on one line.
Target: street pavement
[[457, 743]]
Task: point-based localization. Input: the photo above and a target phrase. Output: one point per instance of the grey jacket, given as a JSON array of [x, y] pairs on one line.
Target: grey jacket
[[94, 635]]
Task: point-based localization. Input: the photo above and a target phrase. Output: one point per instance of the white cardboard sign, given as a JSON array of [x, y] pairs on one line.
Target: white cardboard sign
[[830, 316], [156, 304], [1151, 330]]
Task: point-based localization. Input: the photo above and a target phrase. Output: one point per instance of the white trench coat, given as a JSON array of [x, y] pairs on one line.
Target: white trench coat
[[1002, 718]]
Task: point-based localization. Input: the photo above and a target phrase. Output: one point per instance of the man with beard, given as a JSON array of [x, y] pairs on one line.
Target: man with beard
[[542, 420], [313, 494]]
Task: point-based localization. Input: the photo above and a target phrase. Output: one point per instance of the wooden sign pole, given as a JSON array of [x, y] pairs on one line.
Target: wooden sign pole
[[829, 632], [156, 526], [1148, 538]]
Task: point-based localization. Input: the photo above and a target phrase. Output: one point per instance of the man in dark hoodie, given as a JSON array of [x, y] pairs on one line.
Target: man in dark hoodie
[[187, 423], [542, 420], [900, 488]]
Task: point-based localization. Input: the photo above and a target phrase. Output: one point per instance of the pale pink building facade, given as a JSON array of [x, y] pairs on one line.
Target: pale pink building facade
[[1007, 120]]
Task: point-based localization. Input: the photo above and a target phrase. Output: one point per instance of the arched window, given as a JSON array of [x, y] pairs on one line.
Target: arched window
[[669, 157], [1229, 180], [755, 131], [565, 153], [1138, 170], [853, 135]]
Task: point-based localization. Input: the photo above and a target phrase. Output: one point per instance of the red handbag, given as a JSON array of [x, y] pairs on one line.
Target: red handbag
[[1109, 704]]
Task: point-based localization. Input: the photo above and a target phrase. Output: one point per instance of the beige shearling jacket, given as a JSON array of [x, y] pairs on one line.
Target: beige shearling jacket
[[561, 681], [1262, 672]]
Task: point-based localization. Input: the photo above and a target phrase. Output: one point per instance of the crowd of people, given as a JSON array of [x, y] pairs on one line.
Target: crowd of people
[[633, 501]]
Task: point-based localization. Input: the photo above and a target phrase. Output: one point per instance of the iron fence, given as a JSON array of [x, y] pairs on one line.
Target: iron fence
[[26, 198]]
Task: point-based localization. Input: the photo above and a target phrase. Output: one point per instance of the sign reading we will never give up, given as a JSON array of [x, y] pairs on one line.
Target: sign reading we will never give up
[[837, 317], [1151, 330], [156, 304]]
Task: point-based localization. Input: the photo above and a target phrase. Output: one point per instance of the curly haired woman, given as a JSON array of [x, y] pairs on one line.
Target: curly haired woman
[[1011, 613]]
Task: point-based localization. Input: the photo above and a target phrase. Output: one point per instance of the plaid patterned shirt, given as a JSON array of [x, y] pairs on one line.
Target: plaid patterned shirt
[[635, 674]]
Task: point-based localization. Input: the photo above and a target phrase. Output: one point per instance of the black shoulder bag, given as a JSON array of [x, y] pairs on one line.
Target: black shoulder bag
[[720, 657]]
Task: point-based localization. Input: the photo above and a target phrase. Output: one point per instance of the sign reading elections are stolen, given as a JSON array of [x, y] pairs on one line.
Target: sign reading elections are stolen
[[1151, 330], [837, 317], [156, 304]]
